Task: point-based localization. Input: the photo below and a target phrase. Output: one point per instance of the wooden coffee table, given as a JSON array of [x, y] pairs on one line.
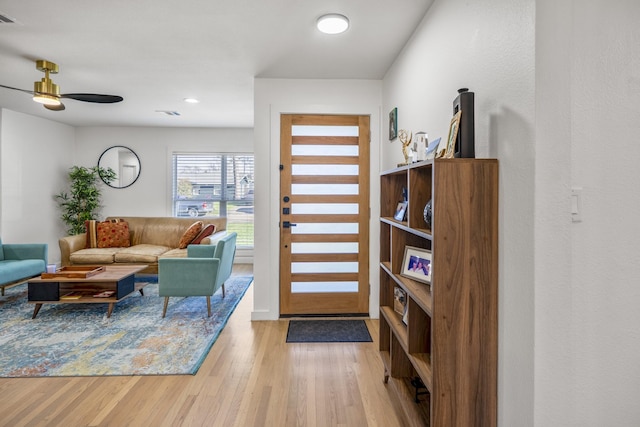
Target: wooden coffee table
[[115, 280]]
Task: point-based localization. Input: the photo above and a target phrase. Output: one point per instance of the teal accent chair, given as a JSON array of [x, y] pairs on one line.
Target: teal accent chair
[[201, 273], [20, 262]]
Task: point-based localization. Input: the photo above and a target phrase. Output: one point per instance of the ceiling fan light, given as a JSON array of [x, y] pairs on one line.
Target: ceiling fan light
[[46, 99], [46, 92], [333, 23]]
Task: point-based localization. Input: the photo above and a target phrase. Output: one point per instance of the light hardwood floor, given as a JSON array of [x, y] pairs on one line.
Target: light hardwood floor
[[251, 377]]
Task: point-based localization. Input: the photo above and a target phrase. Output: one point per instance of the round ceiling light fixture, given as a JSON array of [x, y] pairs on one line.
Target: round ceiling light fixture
[[333, 23], [191, 100]]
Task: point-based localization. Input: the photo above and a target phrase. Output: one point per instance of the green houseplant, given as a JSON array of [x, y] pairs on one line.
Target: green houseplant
[[83, 200]]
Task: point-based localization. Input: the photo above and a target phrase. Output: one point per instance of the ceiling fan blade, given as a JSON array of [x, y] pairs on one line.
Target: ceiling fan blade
[[93, 97], [54, 107], [15, 88]]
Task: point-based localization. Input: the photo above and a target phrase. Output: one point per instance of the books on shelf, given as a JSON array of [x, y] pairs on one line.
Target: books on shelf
[[96, 294], [104, 294], [72, 295]]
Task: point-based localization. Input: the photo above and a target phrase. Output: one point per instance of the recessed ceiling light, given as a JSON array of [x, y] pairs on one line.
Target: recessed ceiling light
[[333, 23], [191, 100]]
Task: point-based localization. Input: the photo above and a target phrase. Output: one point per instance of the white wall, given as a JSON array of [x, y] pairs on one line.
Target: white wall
[[587, 293], [274, 97], [35, 157], [487, 46], [555, 372], [150, 195]]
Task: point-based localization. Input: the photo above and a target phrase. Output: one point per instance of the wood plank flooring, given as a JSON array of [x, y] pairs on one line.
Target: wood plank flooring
[[251, 377]]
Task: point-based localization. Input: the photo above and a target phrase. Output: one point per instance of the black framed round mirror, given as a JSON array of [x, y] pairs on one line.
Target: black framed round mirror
[[124, 162]]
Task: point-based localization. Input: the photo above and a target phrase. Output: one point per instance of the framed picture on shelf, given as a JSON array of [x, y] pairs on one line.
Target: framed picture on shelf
[[433, 148], [401, 211], [393, 124], [399, 300], [416, 264], [453, 136]]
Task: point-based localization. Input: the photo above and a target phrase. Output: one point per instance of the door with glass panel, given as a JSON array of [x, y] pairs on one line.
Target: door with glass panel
[[324, 214]]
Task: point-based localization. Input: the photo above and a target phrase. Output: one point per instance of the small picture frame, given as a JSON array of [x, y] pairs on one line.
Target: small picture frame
[[417, 264], [399, 300], [453, 136], [393, 124], [401, 211], [433, 148]]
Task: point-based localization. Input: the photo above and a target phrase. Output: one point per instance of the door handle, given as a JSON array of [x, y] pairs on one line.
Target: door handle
[[287, 224]]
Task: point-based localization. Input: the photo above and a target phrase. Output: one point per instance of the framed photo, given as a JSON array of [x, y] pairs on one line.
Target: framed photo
[[453, 135], [433, 148], [393, 124], [399, 300], [401, 211], [416, 264]]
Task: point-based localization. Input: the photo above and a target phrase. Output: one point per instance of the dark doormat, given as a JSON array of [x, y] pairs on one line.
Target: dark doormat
[[328, 331]]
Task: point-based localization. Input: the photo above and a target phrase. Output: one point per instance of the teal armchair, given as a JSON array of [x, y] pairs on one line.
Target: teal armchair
[[202, 273], [21, 261]]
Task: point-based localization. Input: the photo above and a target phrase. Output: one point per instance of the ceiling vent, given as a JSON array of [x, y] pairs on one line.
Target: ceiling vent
[[4, 19]]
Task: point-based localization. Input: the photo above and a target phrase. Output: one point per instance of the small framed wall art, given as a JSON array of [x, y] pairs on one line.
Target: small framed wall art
[[416, 264], [393, 124]]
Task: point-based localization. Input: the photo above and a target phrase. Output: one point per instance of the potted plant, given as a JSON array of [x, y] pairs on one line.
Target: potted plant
[[83, 200]]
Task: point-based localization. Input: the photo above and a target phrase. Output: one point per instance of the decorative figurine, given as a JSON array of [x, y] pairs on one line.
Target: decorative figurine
[[405, 138]]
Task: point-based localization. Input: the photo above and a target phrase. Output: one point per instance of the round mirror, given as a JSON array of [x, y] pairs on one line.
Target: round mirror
[[124, 162]]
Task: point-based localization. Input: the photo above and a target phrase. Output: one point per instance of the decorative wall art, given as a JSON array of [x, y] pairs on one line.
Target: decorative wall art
[[393, 124]]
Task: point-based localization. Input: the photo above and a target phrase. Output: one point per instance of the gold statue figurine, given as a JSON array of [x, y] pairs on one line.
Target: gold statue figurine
[[405, 138]]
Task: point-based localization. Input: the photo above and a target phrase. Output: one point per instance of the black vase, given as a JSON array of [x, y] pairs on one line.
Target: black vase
[[428, 213]]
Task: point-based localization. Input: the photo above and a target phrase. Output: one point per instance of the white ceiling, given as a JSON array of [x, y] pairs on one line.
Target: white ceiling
[[154, 53]]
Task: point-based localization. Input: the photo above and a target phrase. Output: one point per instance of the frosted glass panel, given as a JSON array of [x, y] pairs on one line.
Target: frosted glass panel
[[324, 267], [325, 228], [301, 130], [324, 189], [324, 208], [324, 287], [324, 170], [324, 150], [325, 248]]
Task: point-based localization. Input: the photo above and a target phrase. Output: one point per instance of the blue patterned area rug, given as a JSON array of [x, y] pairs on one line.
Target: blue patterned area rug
[[67, 340]]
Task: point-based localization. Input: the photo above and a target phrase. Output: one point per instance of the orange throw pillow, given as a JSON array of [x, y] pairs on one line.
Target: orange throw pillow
[[190, 234], [207, 231], [113, 234]]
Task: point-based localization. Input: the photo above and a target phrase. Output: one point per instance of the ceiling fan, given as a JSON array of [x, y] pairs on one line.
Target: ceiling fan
[[48, 94]]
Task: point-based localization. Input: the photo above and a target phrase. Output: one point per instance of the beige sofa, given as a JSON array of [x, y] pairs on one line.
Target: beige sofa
[[150, 238]]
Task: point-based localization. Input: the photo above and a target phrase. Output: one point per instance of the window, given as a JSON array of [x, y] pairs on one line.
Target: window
[[216, 185]]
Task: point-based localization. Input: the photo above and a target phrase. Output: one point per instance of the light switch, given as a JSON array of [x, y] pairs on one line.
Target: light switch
[[576, 204]]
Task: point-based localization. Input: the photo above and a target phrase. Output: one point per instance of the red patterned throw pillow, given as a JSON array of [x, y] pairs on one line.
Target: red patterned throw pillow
[[206, 232], [113, 234], [190, 234]]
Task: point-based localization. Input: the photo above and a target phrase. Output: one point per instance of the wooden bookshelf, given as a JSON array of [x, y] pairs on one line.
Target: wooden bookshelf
[[448, 339]]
